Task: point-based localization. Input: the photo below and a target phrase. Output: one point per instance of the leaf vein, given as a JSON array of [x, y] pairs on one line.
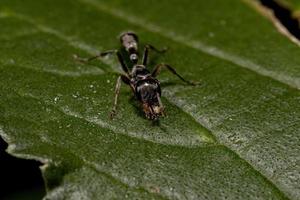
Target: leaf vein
[[198, 45]]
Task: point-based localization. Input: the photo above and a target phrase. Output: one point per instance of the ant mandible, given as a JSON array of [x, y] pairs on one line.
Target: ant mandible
[[143, 83]]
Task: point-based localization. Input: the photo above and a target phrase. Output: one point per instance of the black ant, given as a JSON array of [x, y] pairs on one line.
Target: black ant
[[143, 83]]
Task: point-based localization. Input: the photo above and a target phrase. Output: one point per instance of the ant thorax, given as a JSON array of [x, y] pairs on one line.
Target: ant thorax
[[140, 72]]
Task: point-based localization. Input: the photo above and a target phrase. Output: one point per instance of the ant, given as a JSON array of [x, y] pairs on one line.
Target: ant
[[143, 83]]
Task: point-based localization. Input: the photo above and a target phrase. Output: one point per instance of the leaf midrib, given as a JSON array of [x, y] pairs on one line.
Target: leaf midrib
[[89, 49]]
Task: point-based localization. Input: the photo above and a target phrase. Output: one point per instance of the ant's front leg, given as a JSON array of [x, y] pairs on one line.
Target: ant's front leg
[[126, 80], [158, 67], [102, 54], [146, 52]]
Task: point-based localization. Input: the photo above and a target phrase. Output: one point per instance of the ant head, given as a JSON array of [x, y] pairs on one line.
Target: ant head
[[153, 112], [148, 92]]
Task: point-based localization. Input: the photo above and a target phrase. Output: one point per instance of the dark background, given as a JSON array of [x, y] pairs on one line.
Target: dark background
[[19, 178]]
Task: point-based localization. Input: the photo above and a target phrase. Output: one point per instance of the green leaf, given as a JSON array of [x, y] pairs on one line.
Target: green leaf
[[235, 136]]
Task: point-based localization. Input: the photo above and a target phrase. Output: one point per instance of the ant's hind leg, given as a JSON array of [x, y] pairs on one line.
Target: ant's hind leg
[[126, 80], [102, 54], [149, 46], [123, 65], [158, 67], [146, 52]]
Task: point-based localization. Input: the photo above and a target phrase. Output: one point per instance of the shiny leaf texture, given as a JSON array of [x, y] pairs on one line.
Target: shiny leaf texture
[[234, 136]]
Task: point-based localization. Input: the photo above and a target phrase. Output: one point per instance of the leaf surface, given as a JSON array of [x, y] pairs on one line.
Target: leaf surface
[[235, 136]]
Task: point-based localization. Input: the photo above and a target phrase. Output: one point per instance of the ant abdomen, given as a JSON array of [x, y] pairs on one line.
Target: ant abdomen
[[129, 41]]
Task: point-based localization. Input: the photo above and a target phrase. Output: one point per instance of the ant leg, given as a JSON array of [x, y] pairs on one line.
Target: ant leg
[[145, 56], [121, 60], [126, 80], [161, 105], [146, 51], [102, 54], [158, 67], [149, 46]]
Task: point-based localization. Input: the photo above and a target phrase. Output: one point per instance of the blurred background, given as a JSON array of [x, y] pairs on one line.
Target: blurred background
[[20, 178]]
